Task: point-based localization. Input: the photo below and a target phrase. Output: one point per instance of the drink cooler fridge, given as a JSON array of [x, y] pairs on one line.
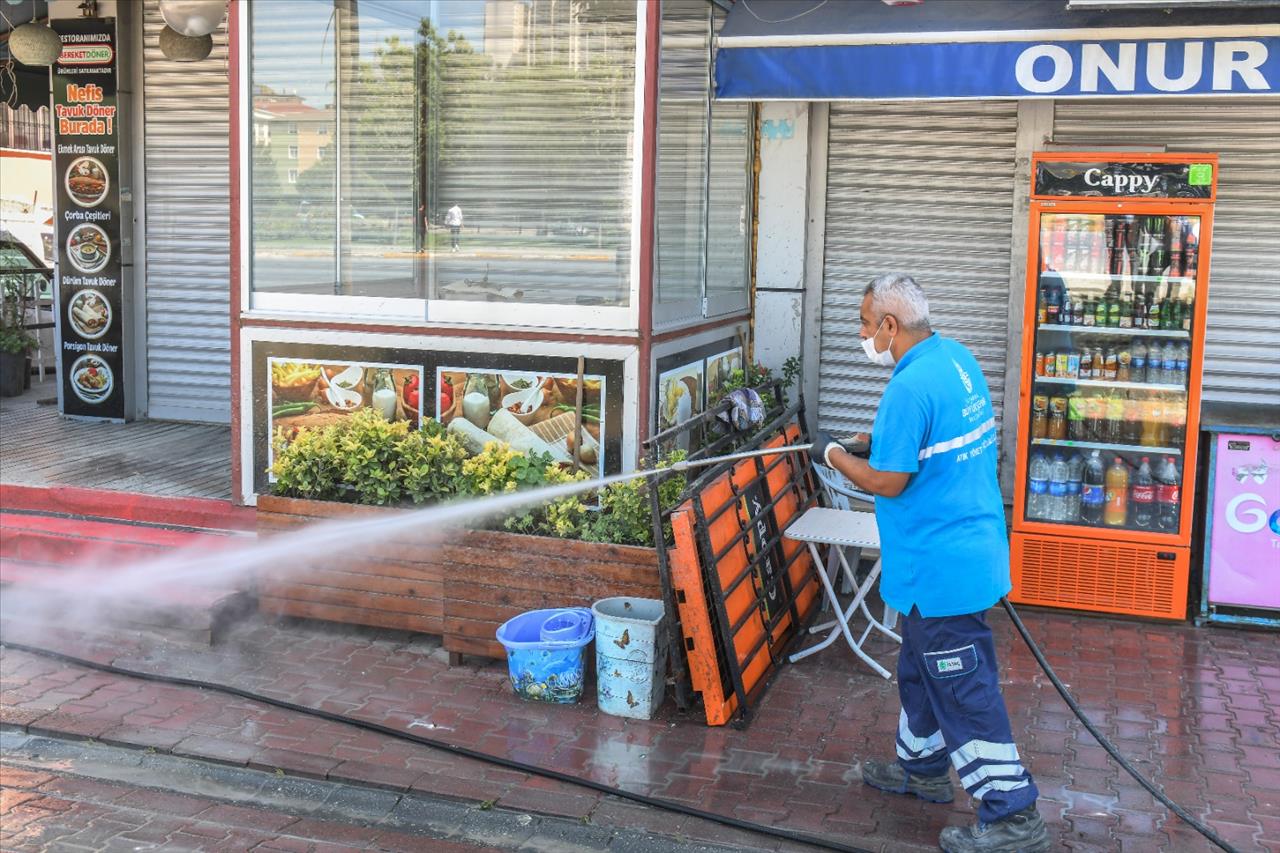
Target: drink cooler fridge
[[1081, 249]]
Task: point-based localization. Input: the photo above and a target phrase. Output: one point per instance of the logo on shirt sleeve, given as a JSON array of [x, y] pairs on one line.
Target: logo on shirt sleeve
[[964, 377]]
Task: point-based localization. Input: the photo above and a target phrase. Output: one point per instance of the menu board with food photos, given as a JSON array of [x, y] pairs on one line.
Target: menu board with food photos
[[87, 180]]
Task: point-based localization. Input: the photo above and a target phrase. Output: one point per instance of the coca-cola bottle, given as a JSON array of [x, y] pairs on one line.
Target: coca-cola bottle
[[1142, 496], [1168, 494]]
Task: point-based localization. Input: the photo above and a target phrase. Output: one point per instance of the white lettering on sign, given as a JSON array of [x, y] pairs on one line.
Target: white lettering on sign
[[1250, 520], [1121, 184], [1225, 64], [1192, 67], [1231, 59], [1025, 69], [1120, 73]]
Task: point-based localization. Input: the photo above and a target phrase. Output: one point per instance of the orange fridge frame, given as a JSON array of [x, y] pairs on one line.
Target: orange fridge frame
[[1153, 541]]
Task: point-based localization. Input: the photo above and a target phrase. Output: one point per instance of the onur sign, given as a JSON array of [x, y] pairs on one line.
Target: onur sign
[[1244, 64], [1155, 66]]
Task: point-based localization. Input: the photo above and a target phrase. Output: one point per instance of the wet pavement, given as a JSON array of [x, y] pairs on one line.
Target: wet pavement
[[62, 795], [1197, 709]]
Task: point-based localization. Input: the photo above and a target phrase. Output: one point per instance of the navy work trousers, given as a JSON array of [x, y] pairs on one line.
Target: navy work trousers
[[952, 708]]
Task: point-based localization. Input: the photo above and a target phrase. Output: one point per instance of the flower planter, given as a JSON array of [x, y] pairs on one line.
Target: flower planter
[[491, 577], [395, 585], [462, 588]]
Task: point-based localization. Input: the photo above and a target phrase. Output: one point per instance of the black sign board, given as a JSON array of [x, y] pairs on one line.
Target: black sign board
[[87, 177], [768, 573], [1124, 179]]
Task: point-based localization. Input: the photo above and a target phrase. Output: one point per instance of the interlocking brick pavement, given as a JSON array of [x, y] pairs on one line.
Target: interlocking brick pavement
[[1196, 709]]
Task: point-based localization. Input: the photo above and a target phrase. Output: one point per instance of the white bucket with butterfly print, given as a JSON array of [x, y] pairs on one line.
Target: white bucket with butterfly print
[[631, 656]]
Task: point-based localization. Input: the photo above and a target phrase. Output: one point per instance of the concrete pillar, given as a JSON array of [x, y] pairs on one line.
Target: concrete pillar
[[780, 241]]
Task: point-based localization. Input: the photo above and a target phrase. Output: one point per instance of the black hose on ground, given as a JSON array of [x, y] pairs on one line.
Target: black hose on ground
[[508, 763], [653, 802], [1106, 744]]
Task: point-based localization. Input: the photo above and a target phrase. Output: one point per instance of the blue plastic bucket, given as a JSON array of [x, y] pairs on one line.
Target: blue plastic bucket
[[631, 656], [546, 670], [566, 625]]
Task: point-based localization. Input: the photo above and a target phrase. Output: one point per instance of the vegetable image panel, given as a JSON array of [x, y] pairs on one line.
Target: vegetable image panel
[[304, 394], [530, 411]]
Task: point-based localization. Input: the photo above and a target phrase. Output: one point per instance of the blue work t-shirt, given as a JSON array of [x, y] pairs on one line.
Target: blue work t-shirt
[[943, 543]]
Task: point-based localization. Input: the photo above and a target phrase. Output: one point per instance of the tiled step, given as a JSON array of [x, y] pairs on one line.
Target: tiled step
[[61, 551]]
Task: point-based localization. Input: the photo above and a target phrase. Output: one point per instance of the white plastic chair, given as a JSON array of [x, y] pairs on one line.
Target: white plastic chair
[[840, 494]]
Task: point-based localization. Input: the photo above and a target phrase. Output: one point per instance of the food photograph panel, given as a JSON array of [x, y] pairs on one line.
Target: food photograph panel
[[91, 379], [528, 410], [303, 385], [304, 393], [90, 314], [87, 181], [88, 248], [720, 369], [681, 396]]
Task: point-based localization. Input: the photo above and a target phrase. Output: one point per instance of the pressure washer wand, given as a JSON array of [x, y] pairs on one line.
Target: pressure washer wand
[[685, 464], [854, 447]]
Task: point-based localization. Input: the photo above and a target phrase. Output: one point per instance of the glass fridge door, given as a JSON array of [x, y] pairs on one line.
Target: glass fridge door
[[1115, 309]]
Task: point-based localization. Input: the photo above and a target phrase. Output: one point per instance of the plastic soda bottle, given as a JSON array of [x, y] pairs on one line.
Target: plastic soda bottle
[[1143, 496], [1116, 511], [1184, 362], [1169, 364], [1168, 494], [1138, 361], [1038, 488], [1075, 487], [1093, 490], [1059, 474]]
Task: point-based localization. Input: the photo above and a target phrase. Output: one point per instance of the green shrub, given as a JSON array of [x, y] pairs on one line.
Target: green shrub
[[369, 447], [626, 510], [308, 465], [368, 460]]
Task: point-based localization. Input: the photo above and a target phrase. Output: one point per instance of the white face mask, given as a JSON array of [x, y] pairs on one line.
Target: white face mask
[[884, 359]]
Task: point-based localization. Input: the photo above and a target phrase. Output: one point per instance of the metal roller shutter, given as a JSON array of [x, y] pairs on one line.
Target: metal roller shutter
[[188, 231], [927, 189], [1242, 340]]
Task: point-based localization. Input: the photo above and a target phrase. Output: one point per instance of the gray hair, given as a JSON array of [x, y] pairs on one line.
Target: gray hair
[[898, 294]]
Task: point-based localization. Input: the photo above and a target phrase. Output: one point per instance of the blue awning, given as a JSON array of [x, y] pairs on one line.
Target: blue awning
[[820, 50]]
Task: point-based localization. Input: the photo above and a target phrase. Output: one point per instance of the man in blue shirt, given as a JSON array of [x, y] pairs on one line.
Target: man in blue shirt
[[945, 558]]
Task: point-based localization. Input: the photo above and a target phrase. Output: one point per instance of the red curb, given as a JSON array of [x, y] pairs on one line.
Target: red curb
[[129, 506]]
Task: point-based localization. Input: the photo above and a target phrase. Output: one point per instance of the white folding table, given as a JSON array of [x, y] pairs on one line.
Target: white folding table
[[839, 529]]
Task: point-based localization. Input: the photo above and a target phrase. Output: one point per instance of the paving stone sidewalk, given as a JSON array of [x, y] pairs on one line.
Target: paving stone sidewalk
[[1197, 709]]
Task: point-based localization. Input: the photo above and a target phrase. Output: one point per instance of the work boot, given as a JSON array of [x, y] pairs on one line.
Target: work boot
[[1021, 832], [892, 777]]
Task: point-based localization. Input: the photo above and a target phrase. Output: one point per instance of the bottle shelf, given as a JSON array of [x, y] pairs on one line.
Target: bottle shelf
[[1177, 334], [1127, 526], [1104, 383], [1107, 277], [1098, 445]]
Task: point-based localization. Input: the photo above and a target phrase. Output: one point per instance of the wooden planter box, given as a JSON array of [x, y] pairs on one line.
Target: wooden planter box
[[462, 588]]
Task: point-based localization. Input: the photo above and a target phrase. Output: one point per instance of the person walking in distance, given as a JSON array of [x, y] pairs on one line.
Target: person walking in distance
[[453, 218], [945, 558]]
